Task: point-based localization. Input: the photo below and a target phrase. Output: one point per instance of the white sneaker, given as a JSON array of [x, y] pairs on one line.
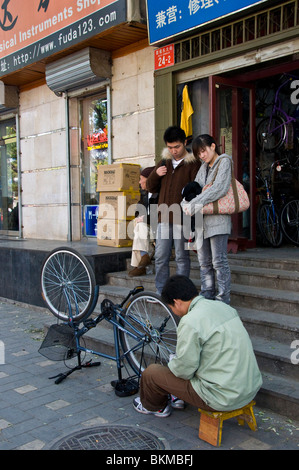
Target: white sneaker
[[140, 408], [176, 403]]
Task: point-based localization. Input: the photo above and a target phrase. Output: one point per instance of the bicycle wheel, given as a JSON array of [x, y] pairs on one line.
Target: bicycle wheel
[[290, 221], [268, 223], [156, 324], [68, 284], [271, 133]]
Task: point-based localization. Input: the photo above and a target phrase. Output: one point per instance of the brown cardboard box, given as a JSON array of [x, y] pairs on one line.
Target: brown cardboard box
[[118, 177], [112, 232], [117, 204]]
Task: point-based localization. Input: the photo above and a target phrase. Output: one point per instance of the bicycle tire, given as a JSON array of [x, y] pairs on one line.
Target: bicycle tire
[[68, 284], [275, 139], [290, 221], [147, 313], [269, 225]]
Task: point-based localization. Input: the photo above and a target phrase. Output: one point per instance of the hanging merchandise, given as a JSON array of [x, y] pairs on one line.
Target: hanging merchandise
[[187, 111]]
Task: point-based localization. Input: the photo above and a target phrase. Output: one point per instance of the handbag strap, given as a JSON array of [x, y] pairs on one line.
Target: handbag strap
[[234, 188]]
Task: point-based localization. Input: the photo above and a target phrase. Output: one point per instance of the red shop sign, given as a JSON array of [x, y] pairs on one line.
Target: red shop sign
[[164, 57]]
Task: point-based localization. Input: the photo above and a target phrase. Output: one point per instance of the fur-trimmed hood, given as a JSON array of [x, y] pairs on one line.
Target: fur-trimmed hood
[[166, 155]]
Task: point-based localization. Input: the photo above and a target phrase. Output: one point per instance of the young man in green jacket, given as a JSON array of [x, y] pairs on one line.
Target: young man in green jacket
[[214, 367]]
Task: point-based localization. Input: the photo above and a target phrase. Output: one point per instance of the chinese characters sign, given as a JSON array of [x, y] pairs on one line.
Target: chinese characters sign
[[167, 18], [164, 57], [34, 29]]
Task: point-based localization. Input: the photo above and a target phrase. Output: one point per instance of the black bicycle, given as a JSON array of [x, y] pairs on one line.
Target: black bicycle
[[144, 328], [277, 219]]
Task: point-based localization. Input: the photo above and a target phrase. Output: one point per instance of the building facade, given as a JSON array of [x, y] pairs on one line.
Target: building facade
[[87, 83], [91, 103]]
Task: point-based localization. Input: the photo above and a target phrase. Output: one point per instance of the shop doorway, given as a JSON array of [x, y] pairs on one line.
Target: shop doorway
[[232, 123], [9, 179], [94, 152]]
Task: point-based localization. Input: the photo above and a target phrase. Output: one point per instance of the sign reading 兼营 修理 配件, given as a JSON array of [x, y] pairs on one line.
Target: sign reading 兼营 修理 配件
[[168, 18]]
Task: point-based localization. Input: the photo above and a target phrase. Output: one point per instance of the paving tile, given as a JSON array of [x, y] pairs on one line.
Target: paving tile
[[25, 389], [56, 405]]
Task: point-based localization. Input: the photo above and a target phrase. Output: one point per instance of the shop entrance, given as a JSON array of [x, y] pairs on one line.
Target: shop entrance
[[93, 152], [254, 116], [232, 111], [9, 187]]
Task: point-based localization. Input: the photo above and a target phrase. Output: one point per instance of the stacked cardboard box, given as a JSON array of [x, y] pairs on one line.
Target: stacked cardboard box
[[118, 185]]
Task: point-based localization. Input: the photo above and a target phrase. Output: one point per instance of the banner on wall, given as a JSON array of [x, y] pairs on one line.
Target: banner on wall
[[168, 18], [32, 30]]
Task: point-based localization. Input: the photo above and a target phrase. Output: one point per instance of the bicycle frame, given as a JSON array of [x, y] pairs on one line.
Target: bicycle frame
[[277, 115], [114, 316]]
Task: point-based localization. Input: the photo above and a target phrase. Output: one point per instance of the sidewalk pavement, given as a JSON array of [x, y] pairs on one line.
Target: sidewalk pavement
[[83, 412]]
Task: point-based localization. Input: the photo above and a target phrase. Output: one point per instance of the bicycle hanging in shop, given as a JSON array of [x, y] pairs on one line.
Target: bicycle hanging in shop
[[277, 130], [144, 328]]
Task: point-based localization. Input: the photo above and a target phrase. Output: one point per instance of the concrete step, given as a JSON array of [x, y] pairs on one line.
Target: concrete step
[[265, 277], [251, 276], [259, 298], [274, 357], [280, 395], [269, 325], [268, 259]]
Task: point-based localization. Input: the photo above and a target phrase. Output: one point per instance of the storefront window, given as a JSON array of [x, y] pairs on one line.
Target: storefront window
[[9, 195], [94, 152]]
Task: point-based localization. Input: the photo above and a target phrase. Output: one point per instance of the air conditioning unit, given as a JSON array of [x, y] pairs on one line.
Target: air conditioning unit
[[83, 68]]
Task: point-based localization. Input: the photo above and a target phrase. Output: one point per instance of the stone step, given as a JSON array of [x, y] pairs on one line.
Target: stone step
[[273, 326], [275, 358], [251, 276], [268, 259], [262, 298], [259, 298], [280, 395]]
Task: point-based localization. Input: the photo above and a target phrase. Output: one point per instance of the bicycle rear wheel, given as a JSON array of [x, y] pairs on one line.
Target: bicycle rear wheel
[[269, 226], [68, 284], [290, 221], [271, 133], [156, 324]]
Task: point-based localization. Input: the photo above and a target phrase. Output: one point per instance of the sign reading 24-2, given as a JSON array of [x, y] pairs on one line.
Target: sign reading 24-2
[[168, 18]]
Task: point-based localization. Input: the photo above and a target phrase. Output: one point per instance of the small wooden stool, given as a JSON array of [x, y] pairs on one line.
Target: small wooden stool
[[210, 428]]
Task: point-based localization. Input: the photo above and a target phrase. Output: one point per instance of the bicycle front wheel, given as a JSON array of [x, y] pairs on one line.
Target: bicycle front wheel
[[271, 133], [68, 284], [155, 324], [290, 221], [269, 226]]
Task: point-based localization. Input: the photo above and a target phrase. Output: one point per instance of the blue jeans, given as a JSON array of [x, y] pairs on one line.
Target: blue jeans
[[214, 268], [168, 235]]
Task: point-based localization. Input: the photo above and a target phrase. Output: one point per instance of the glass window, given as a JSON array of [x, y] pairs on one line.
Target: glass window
[[94, 150], [9, 195]]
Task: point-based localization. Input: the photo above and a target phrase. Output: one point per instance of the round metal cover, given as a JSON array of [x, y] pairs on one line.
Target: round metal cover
[[111, 438]]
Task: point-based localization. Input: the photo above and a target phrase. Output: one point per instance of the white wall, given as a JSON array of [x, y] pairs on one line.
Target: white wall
[[43, 144], [43, 164], [133, 108]]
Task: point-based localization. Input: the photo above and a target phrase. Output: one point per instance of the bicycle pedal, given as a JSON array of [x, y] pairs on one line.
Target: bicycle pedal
[[90, 324]]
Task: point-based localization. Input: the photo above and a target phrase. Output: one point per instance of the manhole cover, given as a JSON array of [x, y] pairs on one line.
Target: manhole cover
[[110, 438]]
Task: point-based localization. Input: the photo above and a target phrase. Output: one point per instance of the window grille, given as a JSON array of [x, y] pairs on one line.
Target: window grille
[[259, 25]]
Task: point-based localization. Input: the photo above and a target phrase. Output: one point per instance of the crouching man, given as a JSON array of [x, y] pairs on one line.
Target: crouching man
[[214, 367]]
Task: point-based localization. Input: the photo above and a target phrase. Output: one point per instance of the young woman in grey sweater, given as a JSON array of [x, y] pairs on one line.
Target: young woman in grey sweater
[[212, 230]]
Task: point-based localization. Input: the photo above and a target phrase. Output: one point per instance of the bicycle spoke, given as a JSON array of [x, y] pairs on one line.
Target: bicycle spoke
[[67, 283], [148, 315]]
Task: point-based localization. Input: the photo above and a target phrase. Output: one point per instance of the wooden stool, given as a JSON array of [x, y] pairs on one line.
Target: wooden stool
[[210, 428]]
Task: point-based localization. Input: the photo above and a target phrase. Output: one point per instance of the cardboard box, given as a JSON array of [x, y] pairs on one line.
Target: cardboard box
[[113, 232], [117, 204], [118, 177]]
